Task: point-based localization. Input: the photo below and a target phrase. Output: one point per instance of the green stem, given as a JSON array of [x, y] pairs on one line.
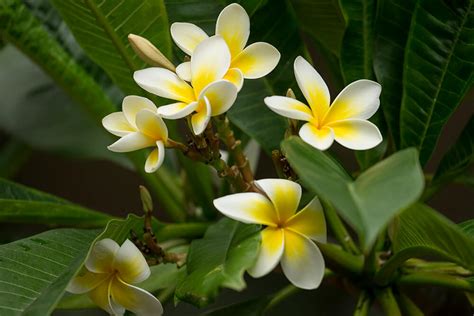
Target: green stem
[[165, 294], [181, 230], [338, 228], [363, 304], [407, 306], [340, 260], [437, 279], [281, 295], [388, 302]]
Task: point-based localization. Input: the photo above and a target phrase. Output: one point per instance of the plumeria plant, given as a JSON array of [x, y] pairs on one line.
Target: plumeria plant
[[248, 169]]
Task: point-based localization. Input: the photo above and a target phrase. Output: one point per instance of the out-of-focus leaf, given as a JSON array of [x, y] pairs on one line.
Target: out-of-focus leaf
[[12, 156], [438, 70], [218, 260], [254, 307], [369, 202], [468, 227], [20, 204]]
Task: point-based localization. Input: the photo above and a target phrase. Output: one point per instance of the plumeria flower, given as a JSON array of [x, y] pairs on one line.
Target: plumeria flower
[[344, 121], [110, 270], [139, 126], [208, 95], [288, 235], [233, 24]]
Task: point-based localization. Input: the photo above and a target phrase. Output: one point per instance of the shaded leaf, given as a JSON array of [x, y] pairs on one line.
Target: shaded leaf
[[254, 307], [468, 227]]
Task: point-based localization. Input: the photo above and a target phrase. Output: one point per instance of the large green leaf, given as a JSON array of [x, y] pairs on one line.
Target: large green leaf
[[438, 70], [20, 204], [35, 271], [468, 227], [218, 260], [369, 202]]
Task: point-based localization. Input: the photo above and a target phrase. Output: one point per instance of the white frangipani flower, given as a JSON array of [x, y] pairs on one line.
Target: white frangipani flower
[[288, 235], [139, 126], [109, 272], [233, 24], [344, 121], [208, 95]]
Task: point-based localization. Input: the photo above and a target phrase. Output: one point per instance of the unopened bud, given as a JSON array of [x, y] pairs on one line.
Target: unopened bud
[[149, 53], [290, 93], [147, 202]]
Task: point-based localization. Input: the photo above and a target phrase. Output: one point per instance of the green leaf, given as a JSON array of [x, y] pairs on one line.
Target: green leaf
[[218, 260], [35, 271], [438, 70], [20, 204], [13, 154], [468, 227], [369, 202], [391, 33], [102, 27]]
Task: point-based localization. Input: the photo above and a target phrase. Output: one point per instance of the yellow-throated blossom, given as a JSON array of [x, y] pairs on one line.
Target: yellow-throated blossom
[[208, 95], [233, 24], [139, 126], [288, 235], [108, 272], [344, 121]]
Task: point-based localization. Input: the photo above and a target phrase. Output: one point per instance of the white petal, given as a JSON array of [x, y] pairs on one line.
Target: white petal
[[359, 100], [320, 139], [201, 118], [177, 110], [221, 96], [313, 87], [152, 125], [131, 142], [210, 62], [257, 60], [130, 263], [155, 158], [164, 83], [270, 253], [233, 24], [101, 296], [356, 134], [289, 107], [85, 281], [309, 222], [117, 124], [249, 208], [184, 71], [133, 104], [135, 299], [302, 261], [284, 194], [235, 76], [101, 257], [187, 36]]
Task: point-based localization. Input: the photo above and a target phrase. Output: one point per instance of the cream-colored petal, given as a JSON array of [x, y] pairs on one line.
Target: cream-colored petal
[[133, 104], [201, 118], [152, 125], [164, 83], [117, 124], [356, 134], [302, 261], [155, 158], [131, 142], [270, 253], [131, 264], [289, 107], [85, 281], [177, 110], [101, 296], [233, 24], [235, 76], [221, 96], [257, 60], [359, 100], [309, 222], [184, 71], [210, 62], [284, 194], [135, 299], [320, 139], [313, 87], [249, 208], [187, 36], [101, 257]]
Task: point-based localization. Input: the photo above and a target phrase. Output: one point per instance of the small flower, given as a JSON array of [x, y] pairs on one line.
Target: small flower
[[344, 121], [287, 237], [208, 95], [233, 24], [139, 126], [110, 269]]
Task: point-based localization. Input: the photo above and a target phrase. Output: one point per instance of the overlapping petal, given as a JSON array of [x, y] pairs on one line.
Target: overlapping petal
[[117, 124], [155, 158], [100, 295], [309, 222], [132, 104], [86, 281], [187, 36], [257, 60], [131, 142], [356, 134], [233, 24], [177, 110], [130, 263], [101, 256], [235, 76], [152, 125], [184, 71], [221, 96], [284, 194], [135, 299], [200, 120], [321, 139], [289, 107], [270, 253]]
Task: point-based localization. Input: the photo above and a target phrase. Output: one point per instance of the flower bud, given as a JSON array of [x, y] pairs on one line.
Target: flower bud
[[149, 53]]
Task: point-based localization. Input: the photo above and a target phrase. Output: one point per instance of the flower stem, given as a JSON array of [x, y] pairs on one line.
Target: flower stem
[[363, 304], [437, 279], [340, 260], [182, 230], [388, 302], [281, 295], [407, 306]]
